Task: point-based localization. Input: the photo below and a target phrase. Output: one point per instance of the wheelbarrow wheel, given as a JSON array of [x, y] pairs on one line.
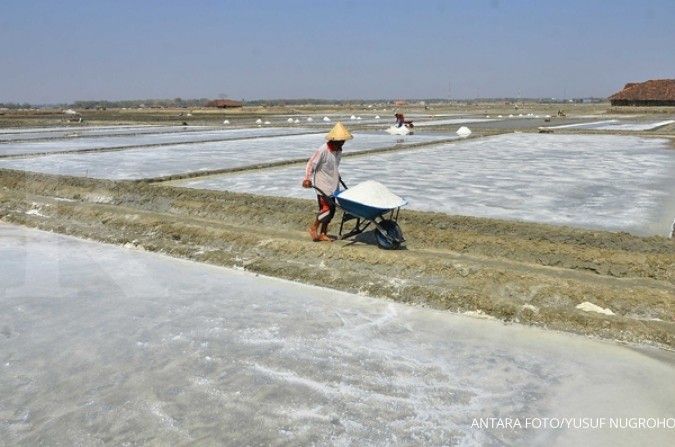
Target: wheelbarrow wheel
[[389, 235]]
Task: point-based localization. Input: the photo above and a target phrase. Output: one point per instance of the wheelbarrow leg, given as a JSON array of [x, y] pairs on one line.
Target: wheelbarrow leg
[[358, 229]]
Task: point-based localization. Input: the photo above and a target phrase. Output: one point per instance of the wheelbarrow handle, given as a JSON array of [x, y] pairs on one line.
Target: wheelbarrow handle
[[330, 199], [321, 192]]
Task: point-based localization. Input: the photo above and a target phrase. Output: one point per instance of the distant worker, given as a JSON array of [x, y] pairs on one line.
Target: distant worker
[[322, 172], [400, 120]]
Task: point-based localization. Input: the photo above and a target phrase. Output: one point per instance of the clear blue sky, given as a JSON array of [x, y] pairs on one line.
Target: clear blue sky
[[58, 51]]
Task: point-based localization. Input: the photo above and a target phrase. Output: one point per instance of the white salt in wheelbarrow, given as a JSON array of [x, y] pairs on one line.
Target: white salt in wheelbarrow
[[369, 203]]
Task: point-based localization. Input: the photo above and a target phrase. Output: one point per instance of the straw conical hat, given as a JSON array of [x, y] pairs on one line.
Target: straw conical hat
[[338, 133]]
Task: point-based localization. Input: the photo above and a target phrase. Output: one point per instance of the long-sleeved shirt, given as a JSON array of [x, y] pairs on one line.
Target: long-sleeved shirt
[[323, 169]]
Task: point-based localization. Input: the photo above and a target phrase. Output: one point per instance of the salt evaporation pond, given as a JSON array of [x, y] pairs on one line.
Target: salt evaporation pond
[[617, 125], [104, 345], [103, 142], [19, 130], [588, 181], [445, 122], [635, 126], [348, 121], [93, 131], [160, 161]]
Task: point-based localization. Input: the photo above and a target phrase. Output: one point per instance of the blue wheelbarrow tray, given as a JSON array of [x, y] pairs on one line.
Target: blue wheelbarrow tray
[[360, 210], [387, 232]]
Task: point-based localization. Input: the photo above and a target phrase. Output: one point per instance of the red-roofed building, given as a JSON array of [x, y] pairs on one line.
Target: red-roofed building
[[658, 92]]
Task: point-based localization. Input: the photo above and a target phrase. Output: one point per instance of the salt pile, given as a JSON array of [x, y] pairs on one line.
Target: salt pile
[[326, 119], [463, 132], [258, 121], [310, 119], [267, 123], [373, 194], [226, 122], [377, 117], [352, 117], [296, 121], [290, 120]]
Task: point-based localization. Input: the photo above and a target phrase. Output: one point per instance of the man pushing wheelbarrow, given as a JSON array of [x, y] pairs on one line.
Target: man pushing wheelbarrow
[[368, 203], [322, 173]]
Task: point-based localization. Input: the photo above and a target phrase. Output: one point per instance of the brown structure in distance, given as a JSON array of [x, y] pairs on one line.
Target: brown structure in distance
[[658, 92], [224, 103]]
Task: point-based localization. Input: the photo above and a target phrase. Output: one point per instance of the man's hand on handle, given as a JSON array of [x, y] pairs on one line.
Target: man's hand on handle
[[306, 183]]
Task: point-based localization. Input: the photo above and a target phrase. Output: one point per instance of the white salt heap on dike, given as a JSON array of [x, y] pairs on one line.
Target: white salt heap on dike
[[373, 194], [463, 131]]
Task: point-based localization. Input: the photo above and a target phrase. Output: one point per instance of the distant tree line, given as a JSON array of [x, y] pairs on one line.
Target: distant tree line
[[295, 102], [200, 102], [135, 103], [14, 105], [104, 104]]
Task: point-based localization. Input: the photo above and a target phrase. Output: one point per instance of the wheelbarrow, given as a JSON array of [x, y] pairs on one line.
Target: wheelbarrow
[[381, 213]]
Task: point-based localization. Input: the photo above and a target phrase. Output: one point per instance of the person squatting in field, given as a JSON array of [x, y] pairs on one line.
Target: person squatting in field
[[322, 172]]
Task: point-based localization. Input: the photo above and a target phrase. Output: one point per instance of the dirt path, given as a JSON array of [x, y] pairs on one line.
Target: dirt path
[[514, 271]]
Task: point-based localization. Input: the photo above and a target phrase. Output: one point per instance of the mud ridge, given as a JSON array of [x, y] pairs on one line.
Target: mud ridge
[[514, 271]]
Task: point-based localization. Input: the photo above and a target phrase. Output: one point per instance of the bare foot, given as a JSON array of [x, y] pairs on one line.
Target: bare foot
[[313, 234], [325, 238]]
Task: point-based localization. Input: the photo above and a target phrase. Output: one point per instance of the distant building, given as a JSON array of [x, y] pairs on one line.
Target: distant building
[[224, 103], [659, 92]]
